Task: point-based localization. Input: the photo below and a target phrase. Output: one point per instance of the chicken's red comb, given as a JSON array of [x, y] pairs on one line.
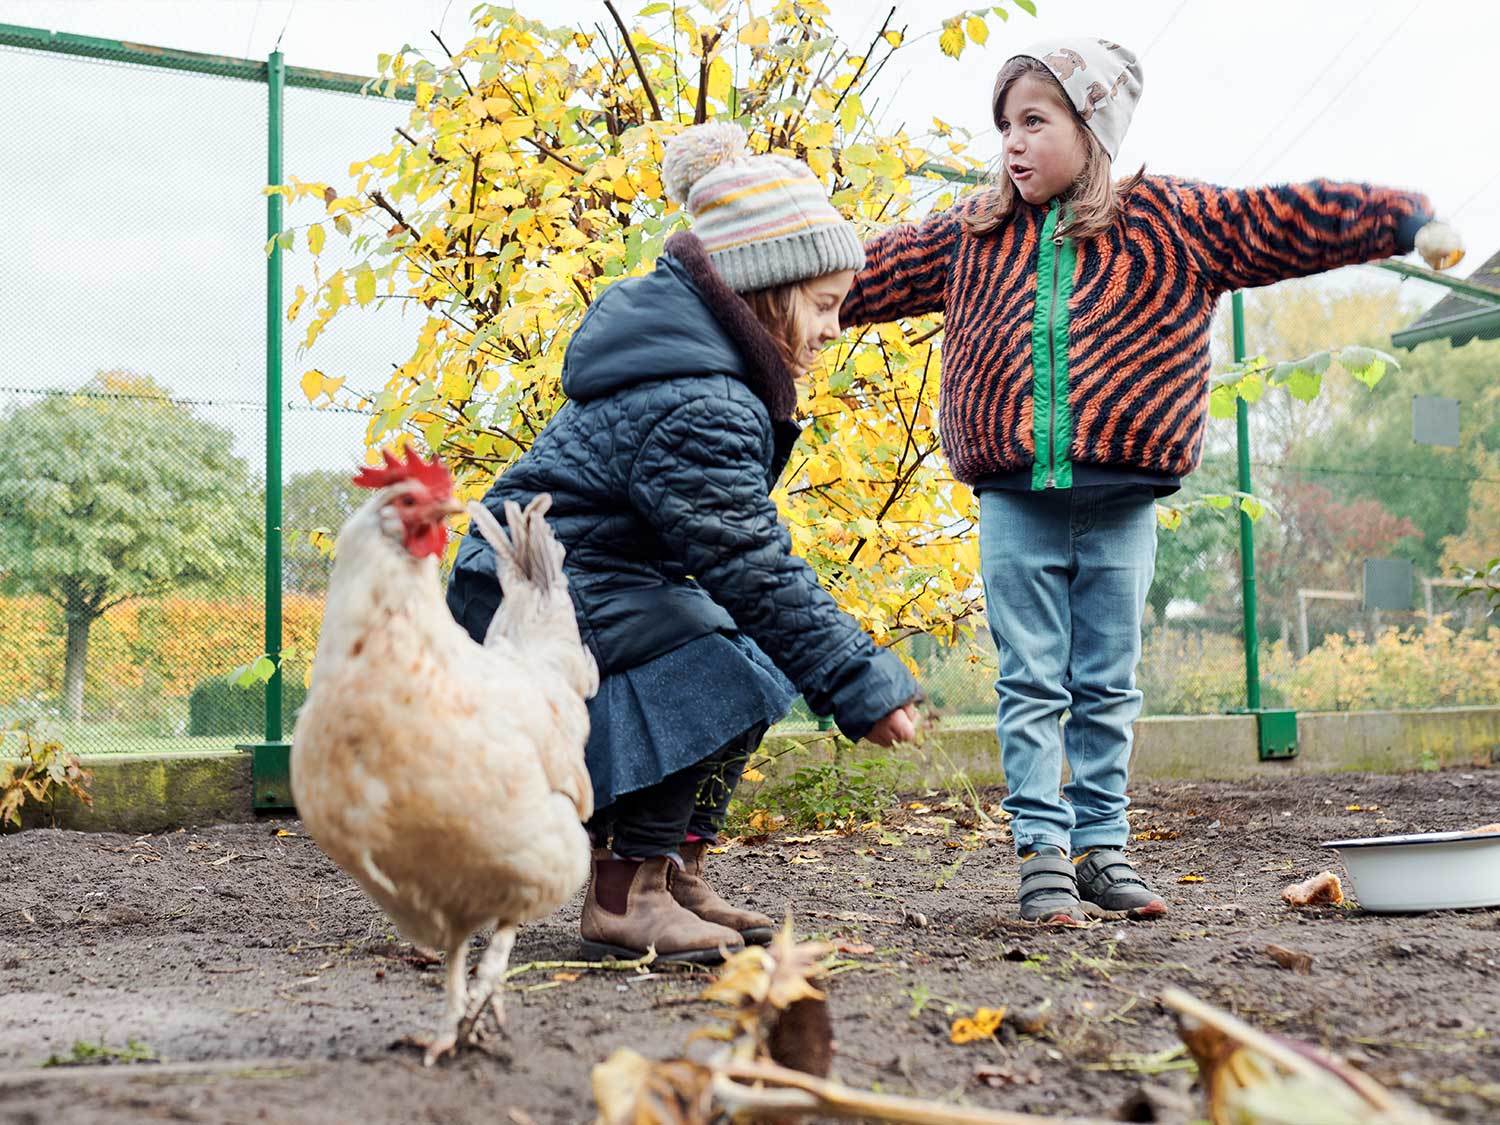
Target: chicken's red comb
[[433, 474]]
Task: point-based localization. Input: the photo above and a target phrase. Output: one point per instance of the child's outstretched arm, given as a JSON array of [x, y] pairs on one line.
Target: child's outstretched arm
[[1245, 237], [906, 269], [700, 480]]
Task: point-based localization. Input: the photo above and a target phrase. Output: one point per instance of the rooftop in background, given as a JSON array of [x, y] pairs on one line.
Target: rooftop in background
[[1459, 317]]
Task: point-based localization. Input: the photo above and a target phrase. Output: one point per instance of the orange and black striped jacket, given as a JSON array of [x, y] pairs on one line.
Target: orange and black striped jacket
[[1060, 352]]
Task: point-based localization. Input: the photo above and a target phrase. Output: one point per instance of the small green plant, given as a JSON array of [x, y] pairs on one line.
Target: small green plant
[[85, 1053], [838, 793], [37, 774], [1484, 581]]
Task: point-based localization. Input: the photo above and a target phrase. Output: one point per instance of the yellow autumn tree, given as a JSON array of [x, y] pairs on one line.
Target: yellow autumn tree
[[527, 179]]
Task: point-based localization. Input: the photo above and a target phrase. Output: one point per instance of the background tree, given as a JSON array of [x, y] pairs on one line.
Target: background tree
[[118, 493], [315, 505]]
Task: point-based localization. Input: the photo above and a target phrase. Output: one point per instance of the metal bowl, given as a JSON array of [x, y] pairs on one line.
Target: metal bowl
[[1426, 871]]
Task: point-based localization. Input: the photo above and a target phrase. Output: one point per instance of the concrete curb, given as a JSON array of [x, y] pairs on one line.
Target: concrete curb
[[156, 792]]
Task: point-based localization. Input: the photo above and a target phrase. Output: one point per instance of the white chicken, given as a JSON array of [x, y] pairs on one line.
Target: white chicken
[[448, 778]]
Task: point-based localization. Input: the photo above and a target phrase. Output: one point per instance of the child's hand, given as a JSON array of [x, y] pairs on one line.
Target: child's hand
[[899, 726], [1440, 245]]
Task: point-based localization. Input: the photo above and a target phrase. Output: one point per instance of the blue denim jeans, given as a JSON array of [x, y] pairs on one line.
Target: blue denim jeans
[[1065, 578]]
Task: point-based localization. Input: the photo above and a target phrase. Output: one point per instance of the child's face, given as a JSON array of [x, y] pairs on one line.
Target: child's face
[[820, 299], [1044, 148]]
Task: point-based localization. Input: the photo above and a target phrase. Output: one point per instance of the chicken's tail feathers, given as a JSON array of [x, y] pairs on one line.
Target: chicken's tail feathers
[[530, 553]]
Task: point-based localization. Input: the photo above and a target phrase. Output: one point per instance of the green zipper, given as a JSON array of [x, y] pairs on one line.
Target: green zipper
[[1051, 417]]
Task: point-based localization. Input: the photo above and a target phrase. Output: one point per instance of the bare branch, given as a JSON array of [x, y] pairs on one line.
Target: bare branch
[[635, 58]]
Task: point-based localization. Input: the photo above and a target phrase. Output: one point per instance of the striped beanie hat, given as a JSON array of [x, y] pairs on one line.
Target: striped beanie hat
[[763, 220]]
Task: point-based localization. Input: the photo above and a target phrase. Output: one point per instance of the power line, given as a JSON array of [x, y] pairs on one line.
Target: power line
[[1302, 93], [1339, 93], [1487, 185], [1163, 29], [255, 19]]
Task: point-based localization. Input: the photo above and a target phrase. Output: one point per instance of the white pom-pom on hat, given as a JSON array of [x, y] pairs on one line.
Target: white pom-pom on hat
[[695, 152]]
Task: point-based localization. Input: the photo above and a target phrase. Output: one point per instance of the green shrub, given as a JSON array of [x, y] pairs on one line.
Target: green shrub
[[218, 707]]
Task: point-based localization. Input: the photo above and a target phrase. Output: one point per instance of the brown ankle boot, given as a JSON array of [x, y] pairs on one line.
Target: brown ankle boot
[[630, 908], [691, 890]]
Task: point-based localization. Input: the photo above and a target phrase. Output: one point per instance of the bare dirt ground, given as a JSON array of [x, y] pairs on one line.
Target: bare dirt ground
[[267, 988]]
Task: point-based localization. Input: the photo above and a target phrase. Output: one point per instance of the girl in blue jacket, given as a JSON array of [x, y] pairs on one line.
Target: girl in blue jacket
[[681, 388]]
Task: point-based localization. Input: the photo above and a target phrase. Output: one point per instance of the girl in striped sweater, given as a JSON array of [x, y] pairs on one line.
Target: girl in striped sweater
[[1074, 393]]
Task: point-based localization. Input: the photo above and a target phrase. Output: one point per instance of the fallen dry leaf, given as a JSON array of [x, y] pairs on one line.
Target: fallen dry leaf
[[1322, 889], [1157, 834], [1293, 959], [983, 1026], [566, 978], [1191, 879], [1487, 829], [854, 948]]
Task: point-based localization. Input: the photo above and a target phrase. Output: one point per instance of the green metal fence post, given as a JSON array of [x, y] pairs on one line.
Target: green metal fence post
[[270, 763], [275, 83], [1247, 526], [1276, 729]]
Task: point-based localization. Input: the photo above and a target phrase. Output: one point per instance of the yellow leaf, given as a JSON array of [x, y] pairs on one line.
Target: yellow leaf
[[720, 80], [978, 30], [425, 91], [296, 306], [364, 285], [312, 383], [515, 128], [850, 113], [988, 1019], [1191, 879], [893, 38], [952, 40], [756, 33], [315, 235], [752, 774], [985, 1023]]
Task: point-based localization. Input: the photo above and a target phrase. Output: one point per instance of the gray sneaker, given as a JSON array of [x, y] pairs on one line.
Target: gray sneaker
[[1108, 880], [1049, 890]]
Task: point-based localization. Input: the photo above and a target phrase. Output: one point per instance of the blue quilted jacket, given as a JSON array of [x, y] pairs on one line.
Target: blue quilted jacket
[[660, 468]]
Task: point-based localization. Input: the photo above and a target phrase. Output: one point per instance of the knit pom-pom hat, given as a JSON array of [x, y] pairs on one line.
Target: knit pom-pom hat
[[764, 220]]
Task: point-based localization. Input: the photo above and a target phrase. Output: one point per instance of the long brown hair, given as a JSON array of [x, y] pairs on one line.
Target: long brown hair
[[1093, 203], [779, 310]]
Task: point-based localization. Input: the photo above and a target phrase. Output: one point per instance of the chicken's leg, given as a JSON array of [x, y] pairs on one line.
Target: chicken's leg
[[489, 984], [456, 1002]]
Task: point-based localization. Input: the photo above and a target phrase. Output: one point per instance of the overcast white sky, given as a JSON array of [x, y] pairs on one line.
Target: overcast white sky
[[141, 219]]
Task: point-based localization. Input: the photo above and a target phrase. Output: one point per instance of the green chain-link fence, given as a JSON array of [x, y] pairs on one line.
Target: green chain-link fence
[[133, 378]]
